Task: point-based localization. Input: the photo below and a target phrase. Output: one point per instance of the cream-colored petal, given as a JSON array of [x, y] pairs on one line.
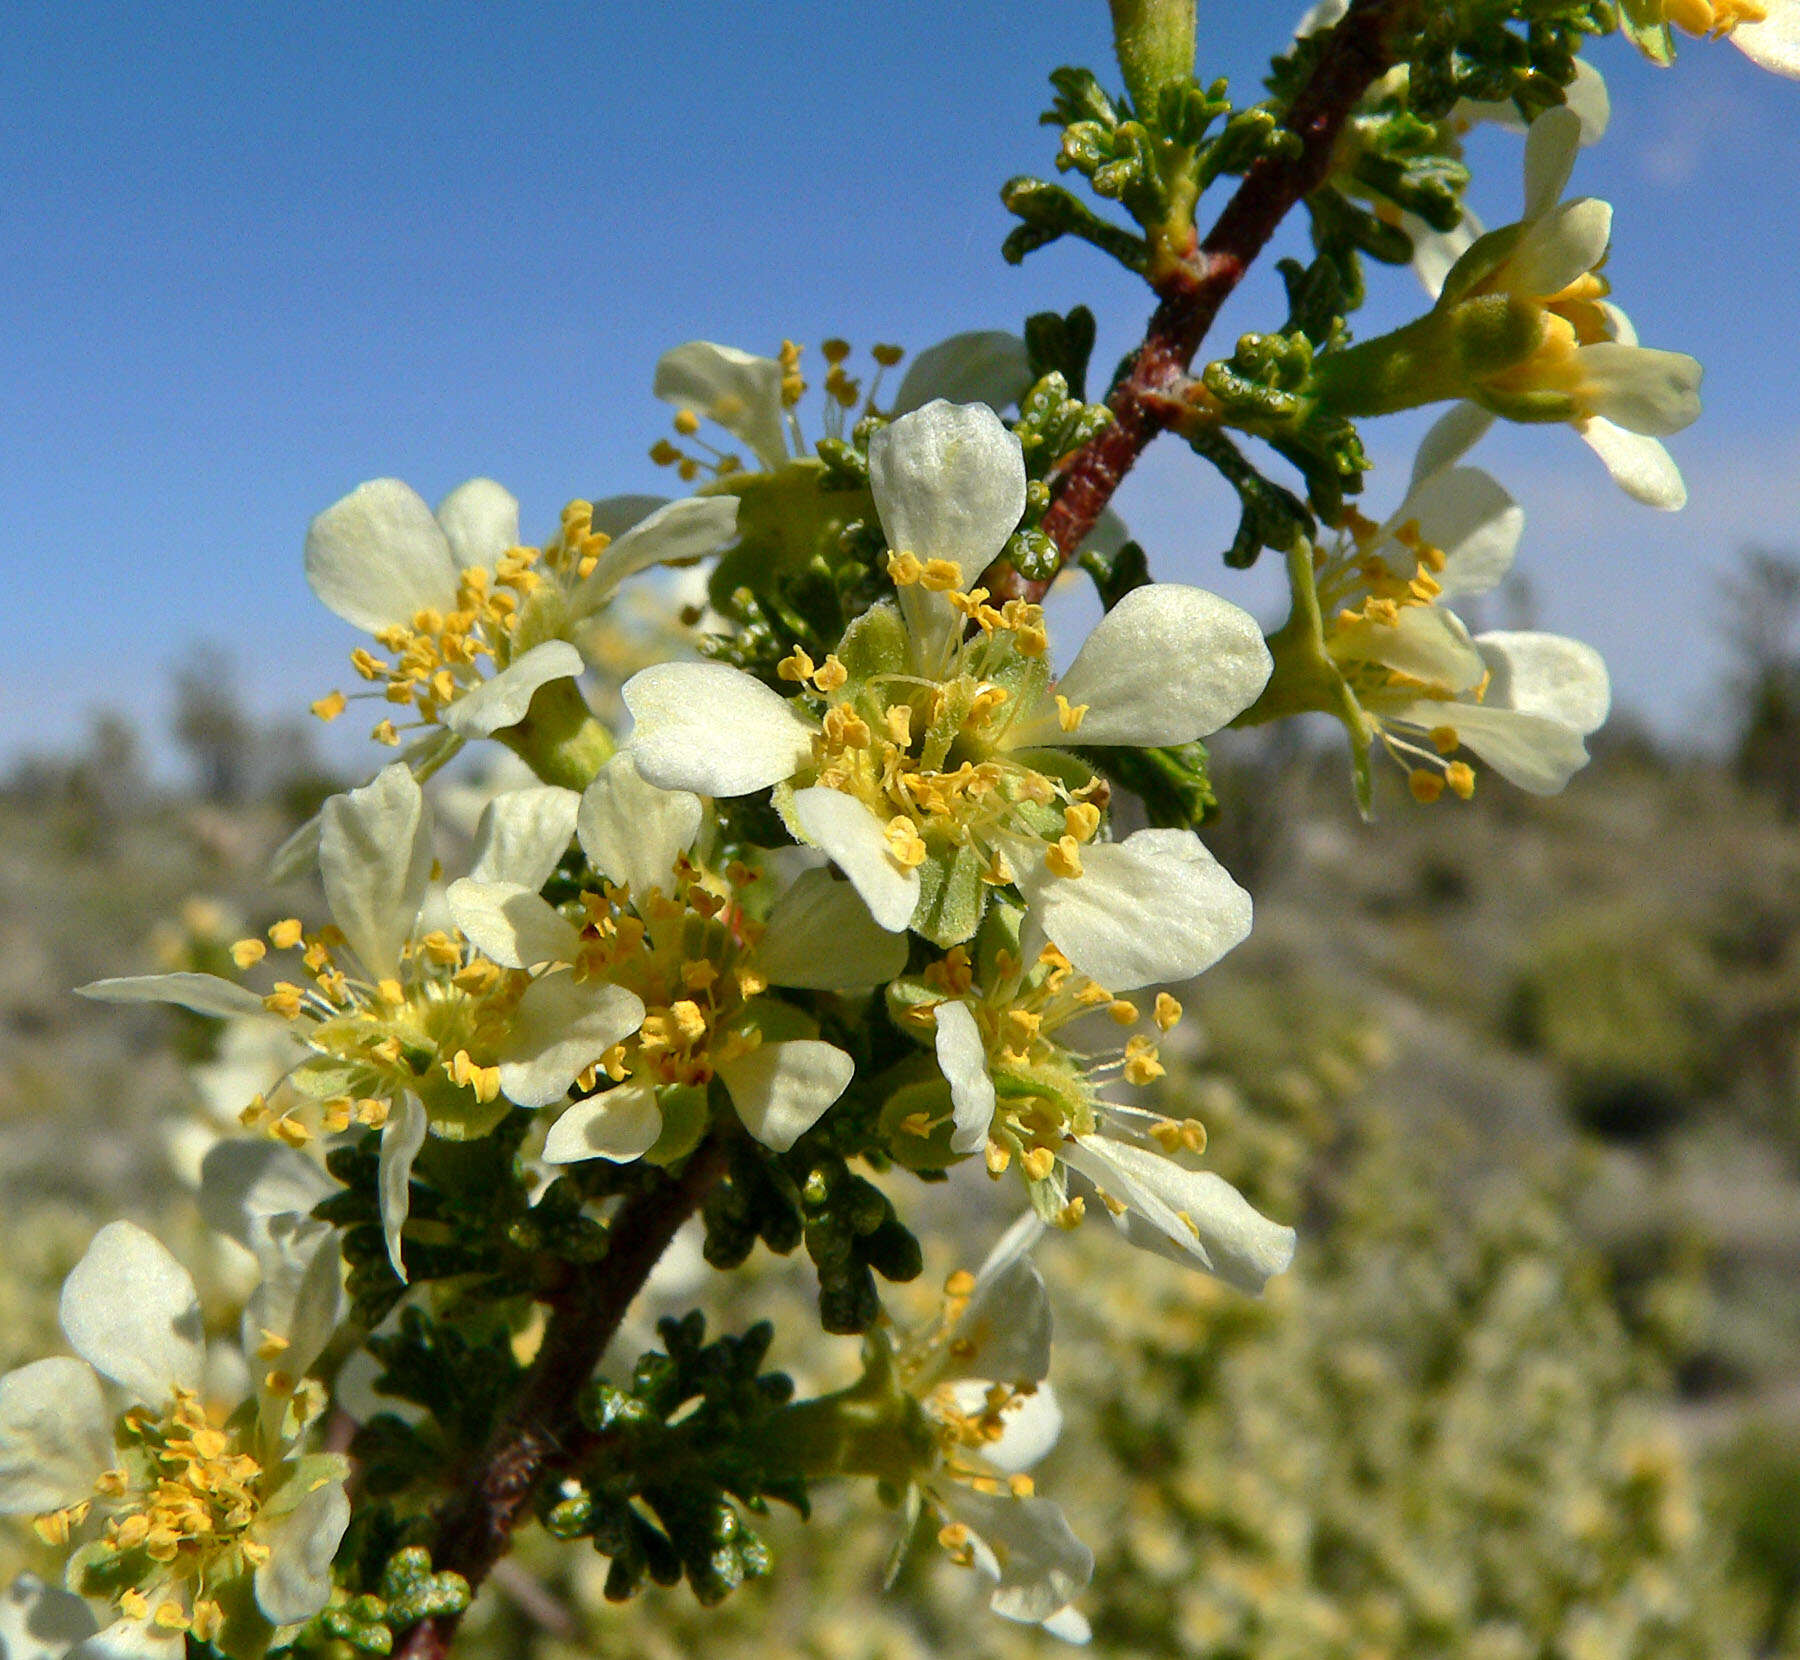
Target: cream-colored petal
[[1026, 1546], [375, 859], [1773, 43], [512, 924], [620, 1124], [203, 993], [1471, 520], [523, 834], [295, 1582], [820, 937], [781, 1090], [989, 366], [561, 1027], [1142, 912], [1547, 674], [243, 1184], [713, 729], [1448, 440], [38, 1622], [1551, 145], [738, 390], [1166, 665], [1535, 752], [1639, 465], [55, 1436], [857, 842], [949, 483], [962, 1058], [300, 1297], [401, 1138], [682, 530], [1029, 1426], [379, 557], [1569, 241], [480, 521], [129, 1309], [633, 832], [1640, 388], [505, 699]]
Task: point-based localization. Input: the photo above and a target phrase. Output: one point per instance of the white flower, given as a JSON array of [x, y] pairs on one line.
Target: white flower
[[38, 1622], [1767, 32], [408, 1026], [1586, 367], [932, 770], [473, 623], [979, 1376], [1421, 684], [681, 942], [175, 1500], [1019, 1094]]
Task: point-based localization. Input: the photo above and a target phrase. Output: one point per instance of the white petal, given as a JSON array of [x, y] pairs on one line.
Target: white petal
[[1640, 388], [55, 1436], [512, 924], [523, 835], [1141, 913], [1435, 252], [203, 993], [295, 1582], [1322, 15], [1773, 43], [857, 840], [949, 483], [962, 1058], [480, 521], [1547, 674], [1039, 1563], [1450, 438], [1550, 148], [503, 701], [1166, 665], [561, 1027], [300, 1298], [1426, 642], [820, 937], [687, 529], [781, 1090], [379, 557], [375, 858], [632, 831], [1639, 465], [244, 1183], [133, 1640], [1068, 1625], [1028, 1429], [1587, 96], [621, 1124], [401, 1138], [38, 1622], [1475, 523], [989, 366], [713, 729], [1533, 751], [297, 854], [740, 391], [129, 1309], [614, 515], [1566, 243], [1003, 1332], [1197, 1211]]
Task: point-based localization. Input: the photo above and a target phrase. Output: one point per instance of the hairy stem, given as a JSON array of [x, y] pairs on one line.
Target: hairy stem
[[543, 1434], [1190, 295]]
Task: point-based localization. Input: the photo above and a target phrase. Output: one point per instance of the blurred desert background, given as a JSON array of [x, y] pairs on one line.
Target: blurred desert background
[[1526, 1075]]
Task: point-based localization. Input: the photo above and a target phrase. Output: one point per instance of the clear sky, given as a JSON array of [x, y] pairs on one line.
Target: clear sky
[[255, 255]]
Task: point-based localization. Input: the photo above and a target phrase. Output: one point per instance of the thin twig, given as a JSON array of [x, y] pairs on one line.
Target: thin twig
[[1360, 49], [543, 1434]]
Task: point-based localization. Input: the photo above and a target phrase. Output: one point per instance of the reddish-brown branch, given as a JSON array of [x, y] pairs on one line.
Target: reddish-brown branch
[[543, 1434], [1189, 299]]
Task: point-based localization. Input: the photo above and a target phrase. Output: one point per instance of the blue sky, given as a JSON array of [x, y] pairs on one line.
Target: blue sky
[[256, 255]]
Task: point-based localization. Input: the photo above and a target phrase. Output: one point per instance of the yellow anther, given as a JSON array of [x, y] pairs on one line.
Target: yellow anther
[[845, 728], [385, 732], [1081, 819], [834, 350], [795, 667], [248, 953], [1064, 857], [1425, 786], [1460, 776], [286, 934], [905, 845], [1167, 1012], [687, 423], [367, 664], [335, 1114], [1166, 1135], [1069, 716], [689, 1021], [330, 706], [1038, 1162], [1141, 1063], [290, 1130], [1123, 1011], [940, 576], [898, 721], [699, 975], [687, 470], [887, 356], [998, 1156], [390, 992], [1444, 740], [998, 872], [209, 1620], [478, 977], [284, 1000], [169, 1615], [664, 454], [960, 1284], [904, 569]]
